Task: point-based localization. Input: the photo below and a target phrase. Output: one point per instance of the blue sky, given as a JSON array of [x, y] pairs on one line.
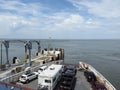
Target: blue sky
[[60, 19]]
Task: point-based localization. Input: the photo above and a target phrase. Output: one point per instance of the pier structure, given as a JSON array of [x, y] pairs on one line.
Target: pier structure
[[12, 72], [27, 45], [8, 68]]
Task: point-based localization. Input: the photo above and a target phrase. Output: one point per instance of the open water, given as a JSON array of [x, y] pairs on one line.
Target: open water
[[104, 55]]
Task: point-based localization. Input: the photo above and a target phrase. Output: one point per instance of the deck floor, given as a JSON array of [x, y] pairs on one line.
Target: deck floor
[[80, 84]]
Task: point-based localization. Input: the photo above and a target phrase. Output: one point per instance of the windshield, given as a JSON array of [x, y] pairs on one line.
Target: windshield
[[48, 81], [23, 76]]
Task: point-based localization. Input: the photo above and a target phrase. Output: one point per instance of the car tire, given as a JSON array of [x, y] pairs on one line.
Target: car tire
[[36, 76], [27, 81]]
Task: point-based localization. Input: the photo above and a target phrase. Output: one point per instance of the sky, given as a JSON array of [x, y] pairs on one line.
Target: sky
[[60, 19]]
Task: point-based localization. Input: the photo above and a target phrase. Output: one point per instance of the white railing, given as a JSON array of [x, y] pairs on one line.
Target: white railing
[[108, 85], [15, 77], [12, 78], [102, 78]]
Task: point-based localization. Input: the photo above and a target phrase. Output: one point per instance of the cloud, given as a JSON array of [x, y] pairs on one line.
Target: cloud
[[70, 22], [18, 18], [54, 25], [30, 20], [103, 8], [20, 8], [74, 19], [65, 22], [15, 24]]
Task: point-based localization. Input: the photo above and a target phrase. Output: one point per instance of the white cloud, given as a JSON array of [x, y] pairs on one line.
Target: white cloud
[[77, 22], [21, 8], [74, 19], [11, 23], [57, 24], [38, 27], [15, 20], [70, 22], [103, 8]]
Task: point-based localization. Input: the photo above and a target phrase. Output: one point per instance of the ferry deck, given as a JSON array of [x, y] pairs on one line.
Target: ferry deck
[[79, 84]]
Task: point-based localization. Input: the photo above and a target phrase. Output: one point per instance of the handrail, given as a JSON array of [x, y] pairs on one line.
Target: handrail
[[15, 77], [101, 77]]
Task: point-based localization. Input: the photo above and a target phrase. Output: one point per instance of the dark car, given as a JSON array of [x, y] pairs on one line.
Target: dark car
[[68, 78], [69, 69], [100, 86], [90, 76], [69, 74], [72, 68], [66, 84]]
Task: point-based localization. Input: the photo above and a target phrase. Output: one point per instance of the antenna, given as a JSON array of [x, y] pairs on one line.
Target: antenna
[[49, 45]]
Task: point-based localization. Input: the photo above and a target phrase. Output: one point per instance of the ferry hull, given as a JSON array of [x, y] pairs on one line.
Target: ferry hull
[[99, 76]]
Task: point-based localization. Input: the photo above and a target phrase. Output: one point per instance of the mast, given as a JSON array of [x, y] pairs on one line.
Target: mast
[[49, 45]]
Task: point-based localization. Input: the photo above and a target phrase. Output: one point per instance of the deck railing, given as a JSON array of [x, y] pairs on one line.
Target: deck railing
[[102, 78], [15, 77], [12, 78]]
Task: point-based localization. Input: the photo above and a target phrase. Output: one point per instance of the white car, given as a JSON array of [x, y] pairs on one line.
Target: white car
[[25, 78], [42, 68]]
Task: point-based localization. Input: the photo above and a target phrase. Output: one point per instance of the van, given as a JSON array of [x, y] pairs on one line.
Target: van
[[50, 77]]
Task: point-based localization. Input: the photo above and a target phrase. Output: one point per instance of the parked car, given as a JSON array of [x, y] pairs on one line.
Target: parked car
[[68, 74], [70, 67], [69, 70], [90, 76], [25, 78], [42, 68], [66, 84], [99, 86]]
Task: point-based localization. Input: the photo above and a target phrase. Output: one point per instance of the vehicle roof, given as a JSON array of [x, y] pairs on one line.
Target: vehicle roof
[[23, 75], [28, 74], [51, 71], [42, 67], [70, 67]]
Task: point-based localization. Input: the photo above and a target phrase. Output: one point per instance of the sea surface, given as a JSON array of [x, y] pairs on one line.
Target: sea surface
[[104, 55]]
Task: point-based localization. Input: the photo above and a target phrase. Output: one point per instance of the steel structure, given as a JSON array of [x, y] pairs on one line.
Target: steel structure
[[27, 46]]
